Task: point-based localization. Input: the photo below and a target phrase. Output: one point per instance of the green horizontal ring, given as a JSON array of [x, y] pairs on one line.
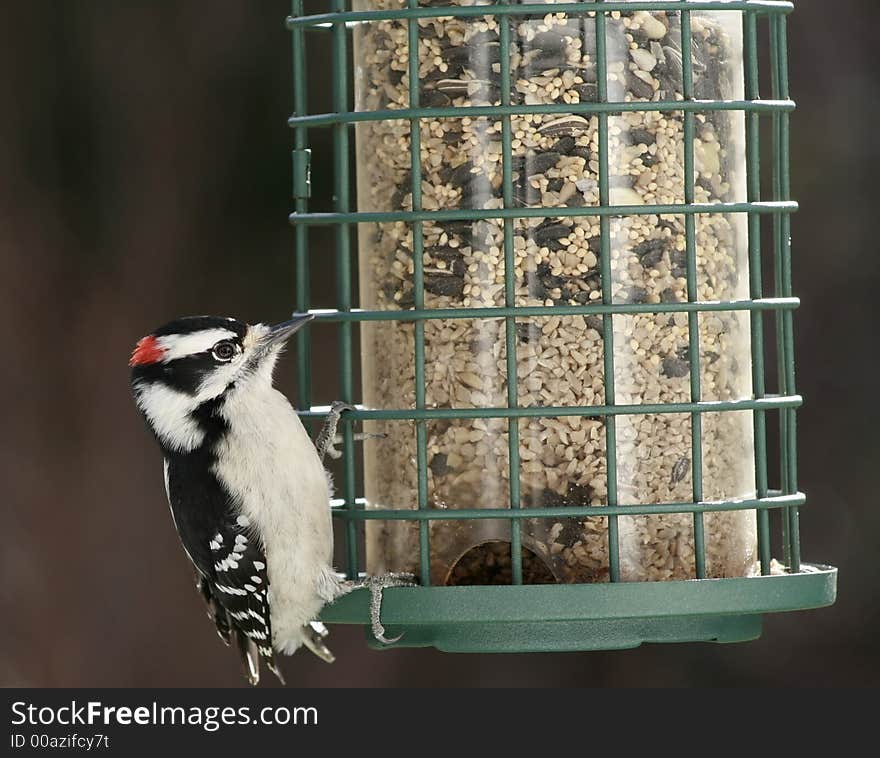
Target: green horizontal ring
[[466, 214], [534, 9], [475, 111], [596, 511], [330, 316], [770, 402]]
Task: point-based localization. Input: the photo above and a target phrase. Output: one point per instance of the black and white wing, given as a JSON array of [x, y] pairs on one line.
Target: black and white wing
[[241, 585], [229, 558]]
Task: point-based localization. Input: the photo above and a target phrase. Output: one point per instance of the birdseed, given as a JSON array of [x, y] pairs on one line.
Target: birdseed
[[560, 358]]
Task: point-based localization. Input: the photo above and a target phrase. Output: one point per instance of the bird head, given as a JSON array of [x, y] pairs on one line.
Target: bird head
[[191, 363]]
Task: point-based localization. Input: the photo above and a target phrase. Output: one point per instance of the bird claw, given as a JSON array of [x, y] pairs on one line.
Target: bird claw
[[378, 634], [376, 584], [328, 438], [331, 452]]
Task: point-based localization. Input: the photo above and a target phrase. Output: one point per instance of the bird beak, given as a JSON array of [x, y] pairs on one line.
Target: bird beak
[[280, 333]]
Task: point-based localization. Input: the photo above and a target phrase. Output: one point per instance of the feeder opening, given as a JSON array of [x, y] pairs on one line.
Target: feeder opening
[[490, 563]]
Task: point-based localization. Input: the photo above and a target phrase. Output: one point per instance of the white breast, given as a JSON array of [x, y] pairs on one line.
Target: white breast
[[270, 465]]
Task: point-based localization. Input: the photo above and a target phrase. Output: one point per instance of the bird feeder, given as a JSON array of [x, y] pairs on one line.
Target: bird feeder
[[560, 220]]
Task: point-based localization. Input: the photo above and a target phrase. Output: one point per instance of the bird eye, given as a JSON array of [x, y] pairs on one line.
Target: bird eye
[[223, 351]]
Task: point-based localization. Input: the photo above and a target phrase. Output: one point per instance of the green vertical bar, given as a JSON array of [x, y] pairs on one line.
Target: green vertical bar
[[693, 317], [415, 150], [343, 282], [753, 189], [782, 345], [777, 277], [607, 323], [301, 231], [788, 415], [510, 301]]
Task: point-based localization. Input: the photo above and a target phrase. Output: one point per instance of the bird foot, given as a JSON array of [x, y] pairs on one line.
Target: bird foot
[[376, 584], [328, 438]]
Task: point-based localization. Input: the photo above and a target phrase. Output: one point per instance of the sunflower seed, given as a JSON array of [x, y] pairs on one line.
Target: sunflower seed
[[567, 125]]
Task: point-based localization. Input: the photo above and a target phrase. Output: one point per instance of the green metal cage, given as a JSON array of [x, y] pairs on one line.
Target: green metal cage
[[609, 615]]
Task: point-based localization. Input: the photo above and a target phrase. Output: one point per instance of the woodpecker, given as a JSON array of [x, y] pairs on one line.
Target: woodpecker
[[249, 494]]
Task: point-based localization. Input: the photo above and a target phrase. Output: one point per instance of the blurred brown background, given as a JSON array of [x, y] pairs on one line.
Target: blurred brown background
[[144, 174]]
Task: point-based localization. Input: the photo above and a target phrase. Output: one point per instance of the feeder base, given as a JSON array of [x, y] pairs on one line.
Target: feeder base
[[567, 636], [548, 618]]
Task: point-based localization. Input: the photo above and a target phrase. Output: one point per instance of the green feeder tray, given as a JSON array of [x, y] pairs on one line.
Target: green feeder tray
[[547, 618], [615, 614]]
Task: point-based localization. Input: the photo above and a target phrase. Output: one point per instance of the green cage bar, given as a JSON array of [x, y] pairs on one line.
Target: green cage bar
[[509, 301], [607, 325], [616, 614]]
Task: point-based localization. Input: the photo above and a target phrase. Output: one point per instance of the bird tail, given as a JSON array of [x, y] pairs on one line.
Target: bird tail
[[314, 633], [250, 657], [251, 653], [273, 667], [216, 612]]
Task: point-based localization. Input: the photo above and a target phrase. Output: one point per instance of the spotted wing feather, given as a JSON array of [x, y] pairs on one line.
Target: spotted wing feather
[[241, 585], [227, 554]]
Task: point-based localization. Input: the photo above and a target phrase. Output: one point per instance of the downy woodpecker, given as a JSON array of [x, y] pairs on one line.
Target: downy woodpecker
[[248, 491]]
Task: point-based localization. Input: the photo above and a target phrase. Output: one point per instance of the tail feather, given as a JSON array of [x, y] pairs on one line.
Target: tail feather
[[267, 653], [314, 634], [216, 612], [250, 657], [251, 651], [273, 667]]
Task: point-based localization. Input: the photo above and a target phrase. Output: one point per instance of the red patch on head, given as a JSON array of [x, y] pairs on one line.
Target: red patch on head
[[147, 350]]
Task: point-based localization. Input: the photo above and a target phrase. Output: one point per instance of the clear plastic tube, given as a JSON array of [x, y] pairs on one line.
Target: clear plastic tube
[[560, 359]]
